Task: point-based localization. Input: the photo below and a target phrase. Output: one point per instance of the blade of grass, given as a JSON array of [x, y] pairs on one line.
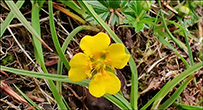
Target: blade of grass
[[134, 87], [165, 26], [28, 99], [10, 17], [201, 100], [21, 18], [175, 81], [74, 6], [154, 98], [186, 107], [163, 41], [54, 36], [54, 77], [187, 42], [176, 94], [116, 101], [69, 13], [122, 99], [36, 26]]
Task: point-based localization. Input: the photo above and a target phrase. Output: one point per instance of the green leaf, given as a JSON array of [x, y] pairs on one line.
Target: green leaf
[[186, 107], [138, 26], [147, 21]]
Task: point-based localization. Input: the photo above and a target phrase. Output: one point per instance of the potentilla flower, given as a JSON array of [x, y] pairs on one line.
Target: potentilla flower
[[98, 63]]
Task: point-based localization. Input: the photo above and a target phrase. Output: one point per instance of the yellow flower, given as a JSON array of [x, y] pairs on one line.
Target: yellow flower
[[97, 63]]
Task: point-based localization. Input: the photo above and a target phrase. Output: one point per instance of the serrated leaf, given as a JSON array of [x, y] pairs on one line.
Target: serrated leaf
[[97, 4], [138, 26], [135, 6]]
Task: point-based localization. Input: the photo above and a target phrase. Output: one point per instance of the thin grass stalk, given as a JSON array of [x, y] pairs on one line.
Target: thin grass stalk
[[10, 17], [21, 18], [165, 26], [176, 94], [32, 104], [54, 36], [187, 42], [175, 81]]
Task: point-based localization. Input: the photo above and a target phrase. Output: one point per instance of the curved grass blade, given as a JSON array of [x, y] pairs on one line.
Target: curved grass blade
[[49, 76], [186, 107], [154, 98], [28, 99], [54, 36], [10, 17], [176, 94], [175, 81], [187, 42], [22, 19], [64, 46], [116, 101], [163, 41]]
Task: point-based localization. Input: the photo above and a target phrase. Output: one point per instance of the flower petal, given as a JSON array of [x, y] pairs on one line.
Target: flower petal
[[80, 67], [93, 46], [116, 56], [103, 83]]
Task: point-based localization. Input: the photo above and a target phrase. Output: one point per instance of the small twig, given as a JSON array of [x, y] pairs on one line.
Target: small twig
[[168, 6], [10, 105], [14, 53], [120, 15], [8, 90], [154, 64], [111, 10]]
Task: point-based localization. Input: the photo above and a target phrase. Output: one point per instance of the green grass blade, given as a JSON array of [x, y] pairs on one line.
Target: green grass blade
[[186, 107], [166, 28], [54, 77], [123, 100], [175, 81], [186, 40], [21, 18], [163, 41], [152, 100], [27, 98], [9, 18], [134, 87], [116, 101], [39, 52], [176, 94], [54, 36], [201, 100], [36, 26], [74, 6]]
